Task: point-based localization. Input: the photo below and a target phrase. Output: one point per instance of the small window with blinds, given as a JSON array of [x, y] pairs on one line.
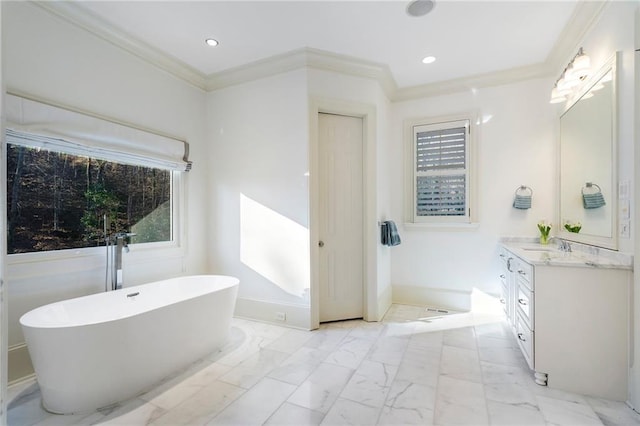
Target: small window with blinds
[[441, 172]]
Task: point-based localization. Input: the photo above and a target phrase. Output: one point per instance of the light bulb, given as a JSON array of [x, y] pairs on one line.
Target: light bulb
[[581, 66], [556, 96]]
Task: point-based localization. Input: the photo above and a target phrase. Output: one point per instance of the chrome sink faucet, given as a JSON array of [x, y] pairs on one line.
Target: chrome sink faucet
[[564, 246]]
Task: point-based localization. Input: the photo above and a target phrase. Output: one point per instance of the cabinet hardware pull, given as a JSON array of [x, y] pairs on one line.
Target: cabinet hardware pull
[[509, 264], [521, 338], [521, 272], [502, 255], [522, 302], [503, 301], [502, 276]]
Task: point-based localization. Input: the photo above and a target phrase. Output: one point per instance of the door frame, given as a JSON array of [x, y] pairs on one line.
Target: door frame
[[369, 182]]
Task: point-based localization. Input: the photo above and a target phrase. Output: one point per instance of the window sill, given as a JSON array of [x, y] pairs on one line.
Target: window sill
[[142, 251], [445, 227]]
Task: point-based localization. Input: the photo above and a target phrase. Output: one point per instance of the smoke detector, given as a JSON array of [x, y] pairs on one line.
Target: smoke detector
[[420, 7]]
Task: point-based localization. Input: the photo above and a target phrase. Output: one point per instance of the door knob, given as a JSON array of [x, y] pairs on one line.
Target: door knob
[[320, 243]]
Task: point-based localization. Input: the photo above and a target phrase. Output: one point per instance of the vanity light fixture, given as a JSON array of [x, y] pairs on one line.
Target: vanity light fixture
[[211, 42], [571, 78], [429, 60]]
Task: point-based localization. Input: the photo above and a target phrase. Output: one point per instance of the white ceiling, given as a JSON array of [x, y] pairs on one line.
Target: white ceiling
[[469, 38]]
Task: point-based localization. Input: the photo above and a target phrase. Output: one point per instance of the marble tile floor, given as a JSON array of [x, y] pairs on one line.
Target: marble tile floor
[[415, 367]]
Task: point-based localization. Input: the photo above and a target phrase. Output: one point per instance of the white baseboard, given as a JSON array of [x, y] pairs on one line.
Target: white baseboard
[[454, 300], [19, 364], [297, 316], [384, 303]]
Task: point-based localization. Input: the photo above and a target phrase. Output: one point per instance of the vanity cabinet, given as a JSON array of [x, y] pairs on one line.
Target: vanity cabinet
[[505, 295], [571, 322]]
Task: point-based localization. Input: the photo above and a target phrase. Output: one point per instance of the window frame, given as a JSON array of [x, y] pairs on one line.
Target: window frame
[[139, 251], [411, 128], [107, 139]]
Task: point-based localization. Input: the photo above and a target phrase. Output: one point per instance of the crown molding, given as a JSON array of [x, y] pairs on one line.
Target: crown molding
[[495, 78], [71, 12], [258, 69], [304, 58], [584, 17], [327, 61]]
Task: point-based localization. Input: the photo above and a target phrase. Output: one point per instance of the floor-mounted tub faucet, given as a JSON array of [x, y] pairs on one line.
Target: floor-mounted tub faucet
[[115, 244], [119, 246]]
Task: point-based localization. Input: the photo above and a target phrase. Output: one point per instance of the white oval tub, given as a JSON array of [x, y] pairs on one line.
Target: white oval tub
[[96, 350]]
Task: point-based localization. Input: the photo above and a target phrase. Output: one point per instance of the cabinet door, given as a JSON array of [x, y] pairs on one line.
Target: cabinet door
[[525, 340], [512, 284], [504, 286], [524, 303], [507, 280], [582, 329]]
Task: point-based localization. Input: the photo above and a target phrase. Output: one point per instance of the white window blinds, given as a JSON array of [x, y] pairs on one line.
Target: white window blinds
[[441, 170], [38, 125], [441, 149], [441, 195]]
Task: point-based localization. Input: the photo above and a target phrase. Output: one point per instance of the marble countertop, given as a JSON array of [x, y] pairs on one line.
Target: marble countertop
[[581, 255]]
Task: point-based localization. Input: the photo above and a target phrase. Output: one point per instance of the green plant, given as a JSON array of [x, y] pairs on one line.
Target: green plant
[[575, 227], [544, 229]]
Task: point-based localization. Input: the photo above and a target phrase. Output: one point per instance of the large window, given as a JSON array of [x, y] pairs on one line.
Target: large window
[[74, 178], [441, 163], [59, 201]]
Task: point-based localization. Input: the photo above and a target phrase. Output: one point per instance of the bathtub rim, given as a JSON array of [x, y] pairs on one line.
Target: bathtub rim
[[228, 282]]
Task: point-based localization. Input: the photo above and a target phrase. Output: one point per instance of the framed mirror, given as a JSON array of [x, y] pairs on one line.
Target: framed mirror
[[588, 162]]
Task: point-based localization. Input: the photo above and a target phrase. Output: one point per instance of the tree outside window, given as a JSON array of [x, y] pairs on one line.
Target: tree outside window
[[58, 201]]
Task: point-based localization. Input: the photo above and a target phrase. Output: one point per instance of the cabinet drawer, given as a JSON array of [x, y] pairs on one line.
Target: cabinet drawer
[[504, 297], [524, 272], [525, 340], [524, 303], [504, 255]]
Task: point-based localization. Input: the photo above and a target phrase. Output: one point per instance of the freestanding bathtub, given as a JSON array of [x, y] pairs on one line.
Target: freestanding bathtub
[[93, 351]]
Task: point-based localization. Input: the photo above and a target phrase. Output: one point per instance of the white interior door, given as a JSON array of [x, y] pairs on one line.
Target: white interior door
[[341, 217]]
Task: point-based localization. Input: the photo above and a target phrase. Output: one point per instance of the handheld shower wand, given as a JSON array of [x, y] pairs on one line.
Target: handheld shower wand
[[105, 224]]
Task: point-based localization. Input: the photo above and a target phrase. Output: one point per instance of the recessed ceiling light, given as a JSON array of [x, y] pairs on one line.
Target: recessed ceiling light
[[429, 60], [420, 7], [211, 42]]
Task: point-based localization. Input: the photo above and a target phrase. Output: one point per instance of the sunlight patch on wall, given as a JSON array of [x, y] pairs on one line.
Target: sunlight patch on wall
[[274, 246]]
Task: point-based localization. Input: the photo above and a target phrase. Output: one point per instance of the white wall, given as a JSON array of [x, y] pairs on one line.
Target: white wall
[[259, 160], [48, 58], [258, 194], [515, 146], [614, 32]]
